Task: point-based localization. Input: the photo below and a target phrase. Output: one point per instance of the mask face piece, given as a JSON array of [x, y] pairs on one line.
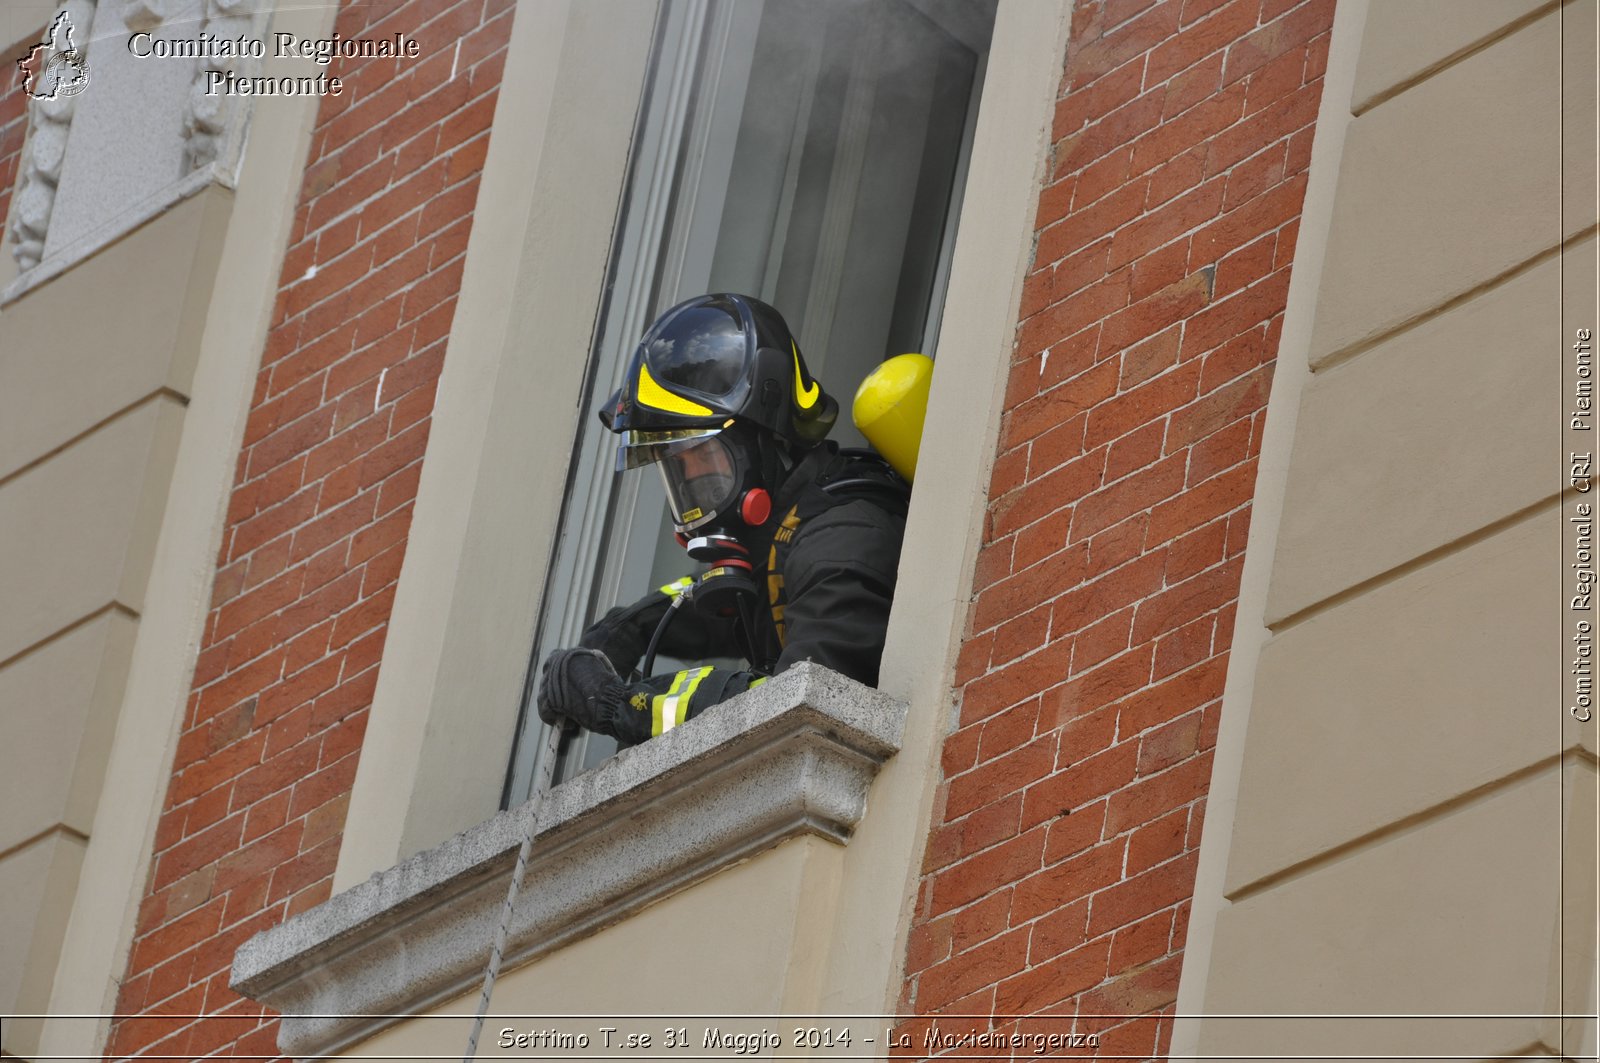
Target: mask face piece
[[702, 480]]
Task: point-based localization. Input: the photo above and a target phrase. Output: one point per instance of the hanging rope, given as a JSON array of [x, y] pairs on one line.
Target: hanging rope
[[498, 951]]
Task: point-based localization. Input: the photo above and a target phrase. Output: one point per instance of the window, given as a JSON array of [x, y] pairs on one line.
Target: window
[[807, 152]]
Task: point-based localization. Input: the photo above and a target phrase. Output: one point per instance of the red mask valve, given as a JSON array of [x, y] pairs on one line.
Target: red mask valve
[[755, 508]]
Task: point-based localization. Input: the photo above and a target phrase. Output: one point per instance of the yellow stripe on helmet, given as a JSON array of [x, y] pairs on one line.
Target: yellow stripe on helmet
[[657, 397], [804, 398]]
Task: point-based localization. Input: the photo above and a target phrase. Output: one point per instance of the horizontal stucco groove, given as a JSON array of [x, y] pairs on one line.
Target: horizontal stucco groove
[[59, 829], [67, 629], [1400, 826], [30, 464], [793, 757], [1466, 51], [1348, 354], [1393, 575]]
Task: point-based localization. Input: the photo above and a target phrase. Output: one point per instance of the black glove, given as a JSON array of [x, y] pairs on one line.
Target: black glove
[[624, 633], [581, 686]]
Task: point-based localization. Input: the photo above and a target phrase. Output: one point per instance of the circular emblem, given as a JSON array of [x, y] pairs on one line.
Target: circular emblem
[[55, 67], [67, 73]]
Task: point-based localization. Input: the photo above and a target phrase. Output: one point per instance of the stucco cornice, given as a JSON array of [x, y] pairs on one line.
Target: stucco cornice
[[793, 757]]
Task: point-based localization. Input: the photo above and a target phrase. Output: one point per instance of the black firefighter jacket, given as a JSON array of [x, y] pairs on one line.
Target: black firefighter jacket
[[825, 571]]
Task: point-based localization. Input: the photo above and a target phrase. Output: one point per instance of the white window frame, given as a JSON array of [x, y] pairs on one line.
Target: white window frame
[[695, 34], [668, 231], [456, 655]]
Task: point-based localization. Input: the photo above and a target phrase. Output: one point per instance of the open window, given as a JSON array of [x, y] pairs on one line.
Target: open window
[[810, 153]]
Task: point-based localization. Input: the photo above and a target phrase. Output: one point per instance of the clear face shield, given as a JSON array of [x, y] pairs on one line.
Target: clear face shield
[[696, 466]]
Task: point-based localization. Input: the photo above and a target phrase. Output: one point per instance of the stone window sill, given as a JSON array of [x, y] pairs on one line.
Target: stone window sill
[[794, 756]]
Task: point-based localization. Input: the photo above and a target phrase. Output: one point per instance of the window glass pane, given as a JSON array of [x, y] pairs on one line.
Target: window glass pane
[[809, 153]]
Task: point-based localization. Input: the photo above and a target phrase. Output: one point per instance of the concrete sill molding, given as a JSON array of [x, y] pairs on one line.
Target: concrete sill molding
[[794, 756]]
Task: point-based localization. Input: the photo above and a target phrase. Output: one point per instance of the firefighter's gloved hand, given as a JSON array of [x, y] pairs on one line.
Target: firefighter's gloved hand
[[623, 634], [581, 686]]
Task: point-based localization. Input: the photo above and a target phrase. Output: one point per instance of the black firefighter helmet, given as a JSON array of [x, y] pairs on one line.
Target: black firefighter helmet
[[718, 397]]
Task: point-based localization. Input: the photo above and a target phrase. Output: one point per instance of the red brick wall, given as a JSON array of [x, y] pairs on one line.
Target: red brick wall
[[13, 130], [1061, 859], [317, 521]]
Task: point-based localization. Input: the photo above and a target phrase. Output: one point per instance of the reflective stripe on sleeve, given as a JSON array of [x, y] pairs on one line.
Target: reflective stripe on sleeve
[[670, 709]]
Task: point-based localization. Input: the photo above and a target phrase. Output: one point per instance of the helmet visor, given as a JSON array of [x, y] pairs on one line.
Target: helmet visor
[[701, 480], [645, 448]]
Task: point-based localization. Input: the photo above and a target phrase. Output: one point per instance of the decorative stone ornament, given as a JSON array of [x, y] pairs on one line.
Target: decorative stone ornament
[[49, 121], [205, 119], [145, 134], [142, 16]]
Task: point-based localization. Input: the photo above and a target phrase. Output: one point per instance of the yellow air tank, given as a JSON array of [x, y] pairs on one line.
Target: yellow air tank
[[890, 407]]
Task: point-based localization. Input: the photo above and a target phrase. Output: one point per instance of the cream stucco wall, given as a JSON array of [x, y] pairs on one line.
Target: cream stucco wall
[[92, 407], [1402, 812], [438, 741], [124, 382], [735, 945]]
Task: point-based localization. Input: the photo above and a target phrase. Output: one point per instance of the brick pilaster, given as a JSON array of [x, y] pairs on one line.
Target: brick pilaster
[[317, 521], [13, 129], [1061, 860]]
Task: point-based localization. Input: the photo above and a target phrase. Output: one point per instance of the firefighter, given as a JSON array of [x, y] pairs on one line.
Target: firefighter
[[803, 539]]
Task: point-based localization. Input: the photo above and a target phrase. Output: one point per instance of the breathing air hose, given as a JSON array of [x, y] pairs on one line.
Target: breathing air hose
[[649, 663]]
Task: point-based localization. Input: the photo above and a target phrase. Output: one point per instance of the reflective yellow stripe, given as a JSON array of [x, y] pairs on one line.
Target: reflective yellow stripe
[[805, 398], [757, 681], [694, 684], [670, 709], [677, 586], [654, 395], [658, 703]]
